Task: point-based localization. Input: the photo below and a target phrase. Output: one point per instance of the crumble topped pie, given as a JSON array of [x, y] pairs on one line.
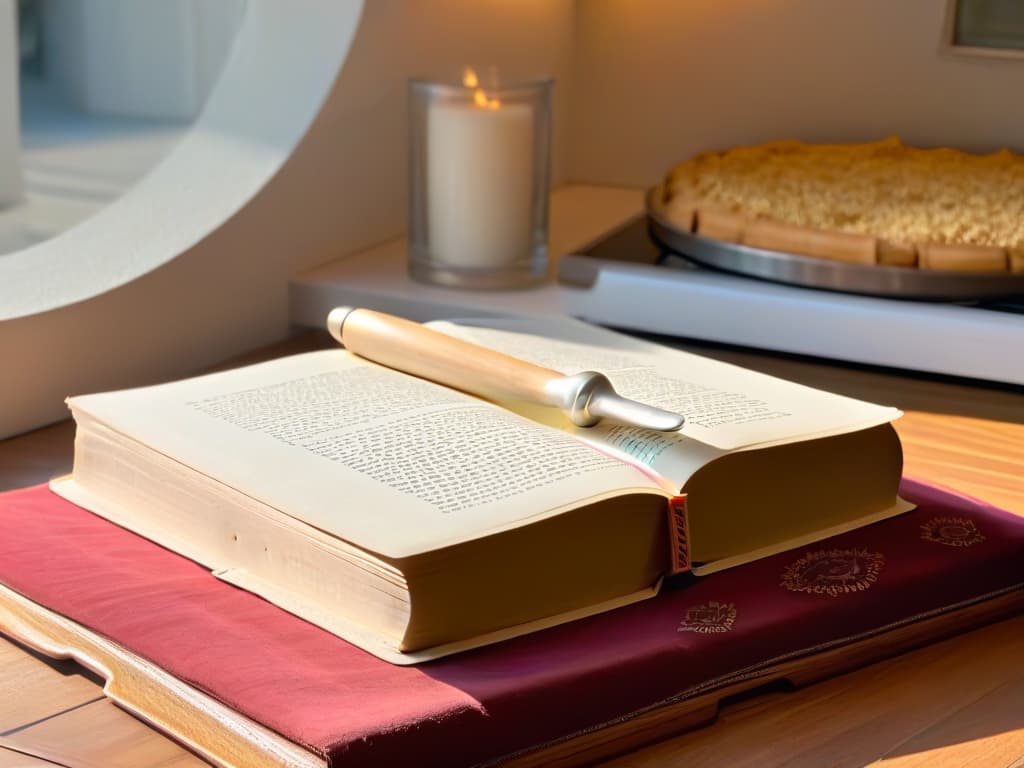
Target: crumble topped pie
[[877, 203]]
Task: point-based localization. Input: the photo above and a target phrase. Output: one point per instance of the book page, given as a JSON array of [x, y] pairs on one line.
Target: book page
[[726, 407], [390, 462]]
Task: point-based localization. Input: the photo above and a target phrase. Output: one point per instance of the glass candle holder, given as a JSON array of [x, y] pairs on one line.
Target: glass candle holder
[[480, 161]]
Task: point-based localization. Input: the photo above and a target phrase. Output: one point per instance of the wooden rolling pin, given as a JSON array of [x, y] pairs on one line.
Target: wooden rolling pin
[[406, 346]]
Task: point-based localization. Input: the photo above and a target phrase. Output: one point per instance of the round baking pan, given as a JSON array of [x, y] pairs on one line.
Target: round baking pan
[[813, 272]]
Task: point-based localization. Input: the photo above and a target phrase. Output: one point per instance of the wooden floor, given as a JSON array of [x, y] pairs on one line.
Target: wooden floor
[[955, 703]]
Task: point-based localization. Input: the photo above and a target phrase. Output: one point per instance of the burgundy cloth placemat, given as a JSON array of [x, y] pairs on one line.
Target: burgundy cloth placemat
[[319, 691]]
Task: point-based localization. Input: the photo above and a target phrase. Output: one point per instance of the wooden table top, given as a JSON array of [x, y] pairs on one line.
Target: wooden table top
[[955, 703]]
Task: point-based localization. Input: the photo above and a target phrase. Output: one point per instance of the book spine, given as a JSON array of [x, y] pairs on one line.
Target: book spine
[[678, 535]]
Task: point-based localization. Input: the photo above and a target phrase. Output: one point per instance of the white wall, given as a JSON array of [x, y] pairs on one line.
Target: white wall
[[658, 80]]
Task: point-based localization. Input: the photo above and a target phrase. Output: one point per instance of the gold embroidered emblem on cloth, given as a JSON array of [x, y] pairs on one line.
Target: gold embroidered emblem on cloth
[[952, 531], [833, 572], [708, 619]]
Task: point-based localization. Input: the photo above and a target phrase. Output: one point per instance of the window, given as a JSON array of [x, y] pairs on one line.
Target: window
[[986, 27]]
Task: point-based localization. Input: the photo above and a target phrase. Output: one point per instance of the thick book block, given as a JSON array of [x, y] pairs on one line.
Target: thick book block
[[418, 521], [346, 707]]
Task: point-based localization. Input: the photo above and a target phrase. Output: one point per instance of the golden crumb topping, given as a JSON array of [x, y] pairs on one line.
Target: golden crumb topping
[[885, 189]]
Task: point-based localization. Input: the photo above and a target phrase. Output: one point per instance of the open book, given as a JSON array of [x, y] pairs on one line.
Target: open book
[[414, 520]]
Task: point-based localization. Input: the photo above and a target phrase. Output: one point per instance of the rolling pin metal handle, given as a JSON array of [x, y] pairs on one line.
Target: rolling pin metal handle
[[589, 397]]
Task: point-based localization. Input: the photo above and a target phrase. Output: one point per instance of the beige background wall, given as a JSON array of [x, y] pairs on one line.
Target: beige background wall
[[641, 84], [658, 80]]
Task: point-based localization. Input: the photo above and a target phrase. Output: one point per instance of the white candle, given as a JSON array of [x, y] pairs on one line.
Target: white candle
[[479, 169]]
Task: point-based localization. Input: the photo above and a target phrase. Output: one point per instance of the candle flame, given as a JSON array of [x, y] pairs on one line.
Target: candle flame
[[470, 80]]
